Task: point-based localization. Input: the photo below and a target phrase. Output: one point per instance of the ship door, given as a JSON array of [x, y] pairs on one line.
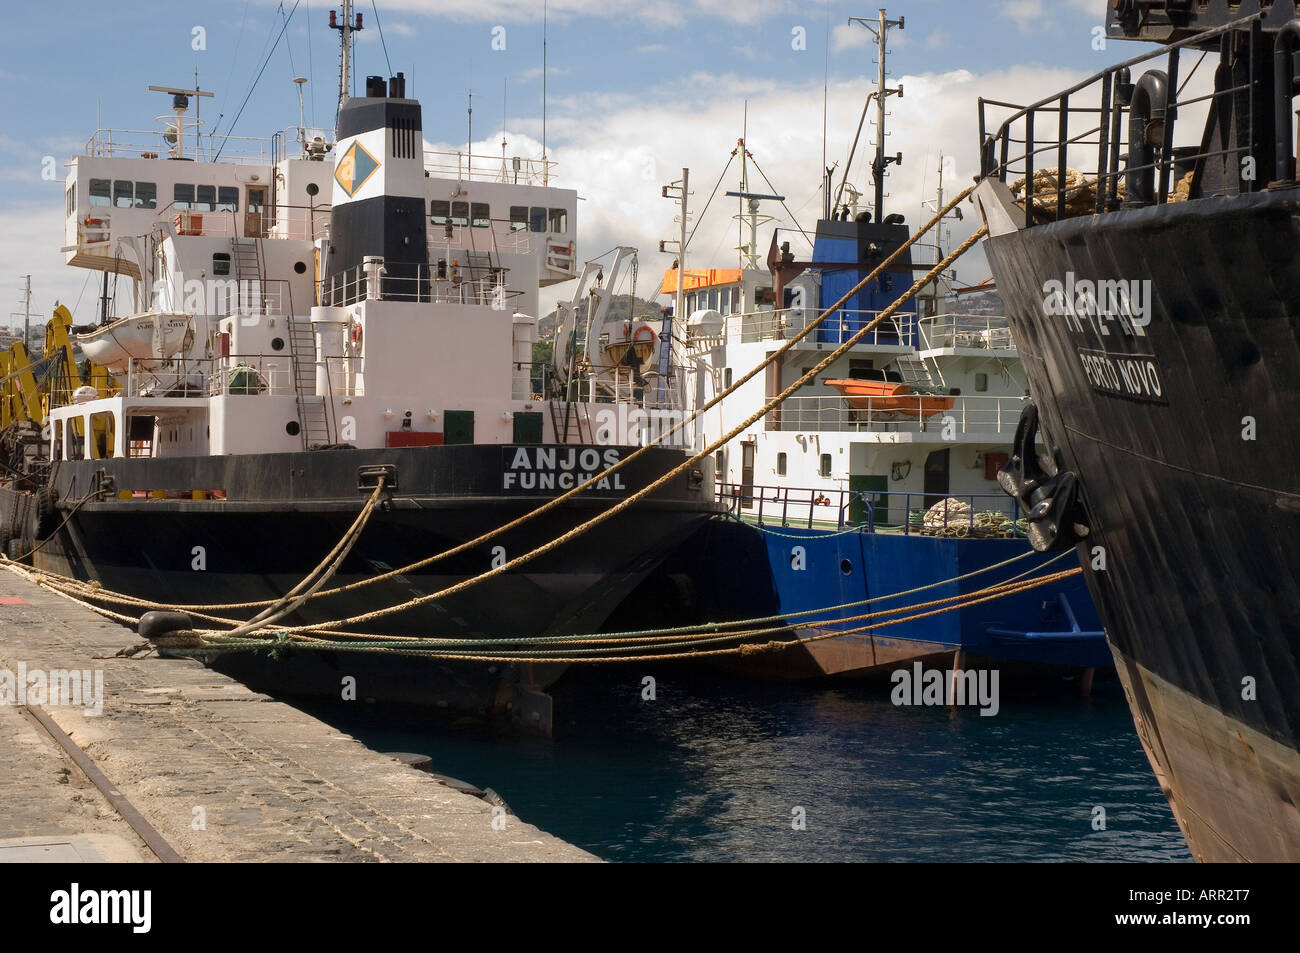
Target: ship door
[[747, 452], [869, 489], [936, 477], [255, 214]]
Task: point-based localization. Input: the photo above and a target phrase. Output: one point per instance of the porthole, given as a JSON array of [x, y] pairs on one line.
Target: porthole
[[846, 567], [277, 344], [292, 428]]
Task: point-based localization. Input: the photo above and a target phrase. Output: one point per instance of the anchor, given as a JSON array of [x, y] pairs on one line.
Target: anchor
[[1049, 495]]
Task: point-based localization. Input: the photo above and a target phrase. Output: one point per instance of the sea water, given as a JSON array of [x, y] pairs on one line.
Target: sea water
[[718, 769]]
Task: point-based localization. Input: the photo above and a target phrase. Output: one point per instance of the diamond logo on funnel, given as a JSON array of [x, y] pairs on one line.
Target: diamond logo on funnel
[[356, 166]]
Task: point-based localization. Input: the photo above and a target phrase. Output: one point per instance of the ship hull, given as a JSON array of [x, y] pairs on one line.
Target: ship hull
[[281, 514], [742, 571], [1186, 441]]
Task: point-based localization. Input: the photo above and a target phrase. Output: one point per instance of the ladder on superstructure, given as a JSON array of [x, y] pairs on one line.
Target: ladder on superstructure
[[916, 371], [313, 416]]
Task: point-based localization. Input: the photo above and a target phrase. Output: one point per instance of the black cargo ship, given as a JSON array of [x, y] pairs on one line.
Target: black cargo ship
[[1153, 287]]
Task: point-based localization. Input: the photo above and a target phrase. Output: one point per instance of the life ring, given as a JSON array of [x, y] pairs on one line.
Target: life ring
[[643, 341], [355, 334]]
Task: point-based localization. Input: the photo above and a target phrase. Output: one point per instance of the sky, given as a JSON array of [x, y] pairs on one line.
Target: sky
[[636, 90]]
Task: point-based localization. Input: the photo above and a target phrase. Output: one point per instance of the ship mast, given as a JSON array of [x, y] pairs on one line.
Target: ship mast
[[749, 217], [880, 28], [346, 29]]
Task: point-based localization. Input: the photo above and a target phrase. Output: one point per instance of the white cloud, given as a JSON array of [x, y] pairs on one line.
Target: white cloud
[[642, 141], [850, 36], [528, 75], [31, 233], [1031, 18]]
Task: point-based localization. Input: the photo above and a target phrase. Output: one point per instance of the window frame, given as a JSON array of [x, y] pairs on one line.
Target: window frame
[[178, 195], [146, 195], [106, 199]]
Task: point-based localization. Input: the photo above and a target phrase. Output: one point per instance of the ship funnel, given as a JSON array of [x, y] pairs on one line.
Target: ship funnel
[[379, 194]]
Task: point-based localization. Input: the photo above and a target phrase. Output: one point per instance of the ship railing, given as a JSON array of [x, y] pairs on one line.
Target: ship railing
[[251, 298], [515, 170], [988, 332], [1075, 153], [247, 375], [238, 374], [167, 377], [300, 222], [895, 331], [423, 284], [225, 295], [960, 515], [914, 413], [150, 144], [497, 238]]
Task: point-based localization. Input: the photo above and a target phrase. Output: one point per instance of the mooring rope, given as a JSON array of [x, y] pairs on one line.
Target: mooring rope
[[279, 607], [559, 500]]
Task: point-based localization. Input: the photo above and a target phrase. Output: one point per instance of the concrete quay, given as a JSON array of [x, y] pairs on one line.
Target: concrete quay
[[215, 771]]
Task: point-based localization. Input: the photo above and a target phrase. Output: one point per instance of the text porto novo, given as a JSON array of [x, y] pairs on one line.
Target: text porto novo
[[559, 468], [1115, 313]]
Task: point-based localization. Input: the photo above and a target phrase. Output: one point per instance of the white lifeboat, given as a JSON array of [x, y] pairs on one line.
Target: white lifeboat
[[114, 345]]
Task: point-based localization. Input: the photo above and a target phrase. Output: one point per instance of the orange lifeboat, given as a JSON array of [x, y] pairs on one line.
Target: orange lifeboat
[[889, 397]]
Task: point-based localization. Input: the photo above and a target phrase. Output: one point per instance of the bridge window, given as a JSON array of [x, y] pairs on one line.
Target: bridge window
[[205, 198], [146, 195], [439, 211], [559, 220], [183, 196], [123, 194], [480, 215], [725, 304], [227, 199], [537, 220], [100, 193], [518, 218], [460, 214]]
